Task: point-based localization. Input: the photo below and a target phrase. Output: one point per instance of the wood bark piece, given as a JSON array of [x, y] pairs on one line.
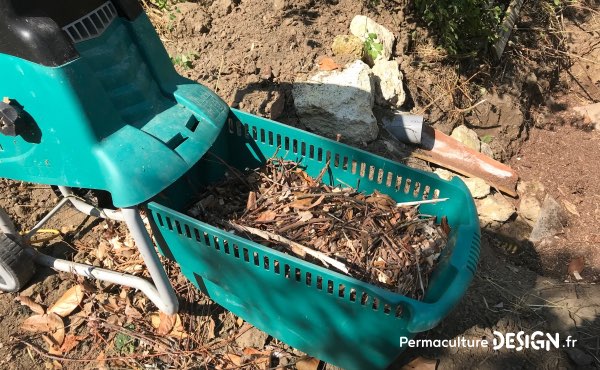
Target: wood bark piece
[[449, 153], [296, 247], [510, 19]]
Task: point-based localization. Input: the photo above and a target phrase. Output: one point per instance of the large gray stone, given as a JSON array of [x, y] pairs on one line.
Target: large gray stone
[[362, 26], [530, 208], [550, 222], [467, 136], [531, 194], [478, 187], [494, 208], [389, 90], [339, 102]]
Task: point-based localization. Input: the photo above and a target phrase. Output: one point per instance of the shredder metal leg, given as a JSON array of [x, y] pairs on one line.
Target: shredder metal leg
[[160, 291]]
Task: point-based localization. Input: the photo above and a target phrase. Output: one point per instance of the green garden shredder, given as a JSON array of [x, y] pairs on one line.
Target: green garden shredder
[[92, 103]]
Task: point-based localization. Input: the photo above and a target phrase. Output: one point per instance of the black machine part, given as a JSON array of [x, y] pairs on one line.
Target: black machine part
[[32, 29], [16, 265], [8, 118]]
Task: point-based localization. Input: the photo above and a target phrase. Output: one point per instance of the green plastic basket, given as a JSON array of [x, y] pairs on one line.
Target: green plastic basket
[[328, 315]]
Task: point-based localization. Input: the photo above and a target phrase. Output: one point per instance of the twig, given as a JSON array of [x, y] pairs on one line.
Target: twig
[[301, 223], [464, 110], [418, 202], [295, 247], [418, 263]]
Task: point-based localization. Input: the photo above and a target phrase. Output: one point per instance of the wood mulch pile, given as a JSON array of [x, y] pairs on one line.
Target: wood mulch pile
[[369, 237]]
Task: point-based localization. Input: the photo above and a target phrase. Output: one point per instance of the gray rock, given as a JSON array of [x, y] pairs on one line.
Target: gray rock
[[494, 208], [444, 174], [550, 221], [478, 187], [252, 338], [486, 149], [362, 26], [532, 195], [339, 102], [389, 90], [530, 208], [466, 136], [534, 187], [348, 45], [591, 114]]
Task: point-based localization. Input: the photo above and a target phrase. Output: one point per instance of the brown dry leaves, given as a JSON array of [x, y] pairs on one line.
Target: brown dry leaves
[[169, 325], [50, 322], [392, 247]]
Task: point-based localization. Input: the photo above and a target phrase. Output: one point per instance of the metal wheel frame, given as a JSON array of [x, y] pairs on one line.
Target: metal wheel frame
[[159, 290]]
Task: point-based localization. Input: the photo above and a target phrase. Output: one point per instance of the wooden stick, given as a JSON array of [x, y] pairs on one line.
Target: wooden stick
[[297, 248], [417, 202]]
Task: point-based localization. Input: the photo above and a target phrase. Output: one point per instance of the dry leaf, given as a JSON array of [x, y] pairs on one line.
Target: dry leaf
[[52, 347], [576, 266], [251, 203], [328, 64], [570, 207], [166, 323], [266, 216], [178, 329], [445, 225], [421, 363], [47, 323], [169, 325], [71, 341], [304, 203], [68, 302], [383, 278], [235, 359], [305, 216], [211, 328], [35, 307], [132, 312], [101, 361], [309, 363], [101, 251]]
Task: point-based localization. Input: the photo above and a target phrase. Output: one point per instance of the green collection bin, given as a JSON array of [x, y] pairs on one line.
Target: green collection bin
[[336, 318]]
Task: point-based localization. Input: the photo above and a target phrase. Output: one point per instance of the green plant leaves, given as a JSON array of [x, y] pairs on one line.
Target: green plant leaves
[[372, 47], [463, 26]]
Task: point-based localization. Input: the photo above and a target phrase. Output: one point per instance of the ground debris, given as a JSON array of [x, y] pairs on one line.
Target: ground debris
[[365, 236]]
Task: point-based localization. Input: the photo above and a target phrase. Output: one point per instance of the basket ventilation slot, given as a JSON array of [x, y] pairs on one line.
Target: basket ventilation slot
[[379, 176], [92, 24], [474, 254], [291, 272]]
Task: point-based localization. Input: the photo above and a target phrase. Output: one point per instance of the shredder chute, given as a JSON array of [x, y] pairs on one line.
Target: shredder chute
[[92, 101]]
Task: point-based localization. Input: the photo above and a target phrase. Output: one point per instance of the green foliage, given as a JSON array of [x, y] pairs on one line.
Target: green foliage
[[487, 139], [463, 26], [165, 4], [124, 343], [185, 60], [372, 47]]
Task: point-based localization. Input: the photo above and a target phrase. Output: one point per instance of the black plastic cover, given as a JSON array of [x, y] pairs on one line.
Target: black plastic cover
[[128, 9], [32, 29]]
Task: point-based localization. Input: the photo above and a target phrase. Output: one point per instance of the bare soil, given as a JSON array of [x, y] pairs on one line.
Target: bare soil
[[253, 51]]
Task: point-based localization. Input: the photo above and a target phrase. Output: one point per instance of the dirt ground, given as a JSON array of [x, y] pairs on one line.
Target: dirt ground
[[251, 52]]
